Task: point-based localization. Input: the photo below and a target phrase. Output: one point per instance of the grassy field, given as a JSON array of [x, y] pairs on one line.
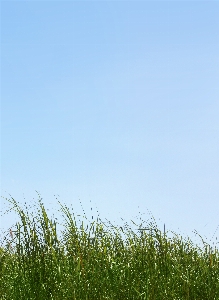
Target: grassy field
[[101, 261]]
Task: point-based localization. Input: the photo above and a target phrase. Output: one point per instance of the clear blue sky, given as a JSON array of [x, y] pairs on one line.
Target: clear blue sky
[[113, 102]]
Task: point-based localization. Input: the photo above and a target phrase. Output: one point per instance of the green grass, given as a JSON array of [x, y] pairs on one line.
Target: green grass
[[101, 261]]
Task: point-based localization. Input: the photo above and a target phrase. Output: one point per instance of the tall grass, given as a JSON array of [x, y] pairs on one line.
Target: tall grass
[[100, 261]]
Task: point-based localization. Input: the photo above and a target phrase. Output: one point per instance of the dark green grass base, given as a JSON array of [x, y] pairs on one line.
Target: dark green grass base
[[102, 262]]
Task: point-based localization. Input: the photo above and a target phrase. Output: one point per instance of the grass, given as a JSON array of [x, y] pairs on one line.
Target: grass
[[100, 261]]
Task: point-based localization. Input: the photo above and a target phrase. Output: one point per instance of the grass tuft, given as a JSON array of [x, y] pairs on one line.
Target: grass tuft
[[101, 261]]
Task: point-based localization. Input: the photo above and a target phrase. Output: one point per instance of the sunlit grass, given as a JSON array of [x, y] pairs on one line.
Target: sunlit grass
[[101, 261]]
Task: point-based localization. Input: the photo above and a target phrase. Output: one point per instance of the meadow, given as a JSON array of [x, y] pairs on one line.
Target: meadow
[[95, 260]]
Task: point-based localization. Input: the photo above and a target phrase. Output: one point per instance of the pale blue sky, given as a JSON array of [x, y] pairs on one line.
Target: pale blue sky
[[113, 102]]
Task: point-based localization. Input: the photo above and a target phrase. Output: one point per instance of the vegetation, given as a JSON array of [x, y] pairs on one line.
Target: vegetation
[[100, 261]]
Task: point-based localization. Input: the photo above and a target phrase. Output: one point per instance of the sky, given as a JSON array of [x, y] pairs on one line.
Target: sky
[[113, 104]]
